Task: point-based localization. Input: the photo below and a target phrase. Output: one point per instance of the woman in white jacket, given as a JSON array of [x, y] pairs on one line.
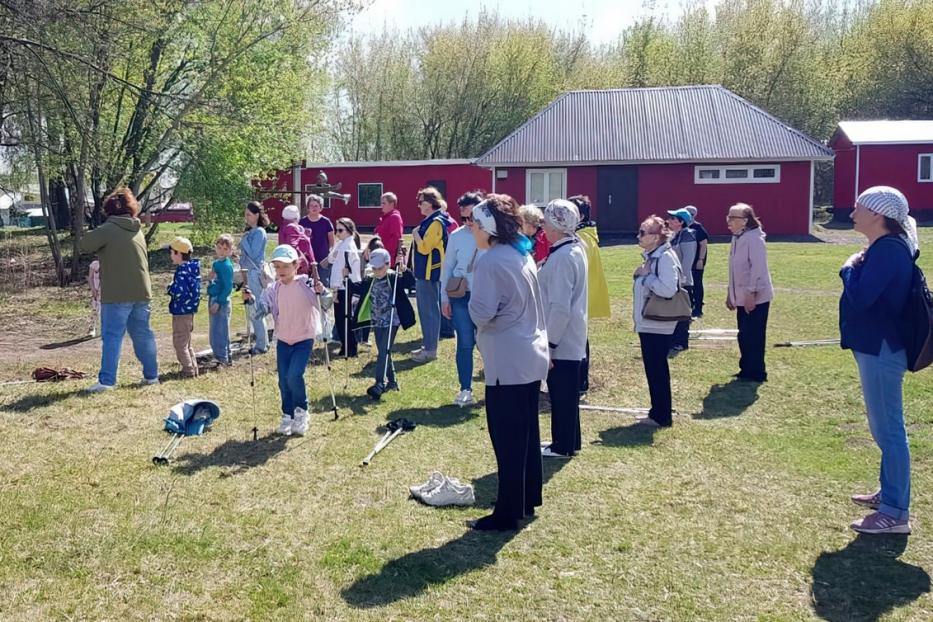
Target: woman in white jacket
[[659, 274], [344, 260]]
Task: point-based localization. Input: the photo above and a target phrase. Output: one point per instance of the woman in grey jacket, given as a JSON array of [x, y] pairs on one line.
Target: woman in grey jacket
[[505, 305], [563, 292], [659, 274]]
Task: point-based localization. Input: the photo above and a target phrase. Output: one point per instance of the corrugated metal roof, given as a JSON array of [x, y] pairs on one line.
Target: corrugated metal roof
[[887, 132], [705, 123], [392, 163]]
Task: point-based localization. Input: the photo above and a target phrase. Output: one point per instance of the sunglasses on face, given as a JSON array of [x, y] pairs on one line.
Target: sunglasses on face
[[466, 218], [730, 217], [341, 230], [642, 233]]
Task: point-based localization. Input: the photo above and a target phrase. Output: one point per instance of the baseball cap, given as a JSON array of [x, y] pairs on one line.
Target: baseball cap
[[682, 214], [284, 253], [379, 258], [181, 245]]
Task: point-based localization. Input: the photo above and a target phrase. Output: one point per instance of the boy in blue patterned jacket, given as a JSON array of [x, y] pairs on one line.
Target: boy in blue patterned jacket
[[185, 291]]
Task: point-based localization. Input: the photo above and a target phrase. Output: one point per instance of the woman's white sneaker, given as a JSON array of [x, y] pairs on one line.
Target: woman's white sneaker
[[300, 423], [98, 388], [285, 427], [464, 398]]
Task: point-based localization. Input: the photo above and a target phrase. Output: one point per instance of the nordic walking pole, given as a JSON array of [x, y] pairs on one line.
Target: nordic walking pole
[[398, 264], [248, 307], [347, 306], [330, 377]]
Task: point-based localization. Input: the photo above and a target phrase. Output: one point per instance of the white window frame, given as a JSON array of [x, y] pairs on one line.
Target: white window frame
[[360, 194], [750, 179], [547, 175], [920, 157]]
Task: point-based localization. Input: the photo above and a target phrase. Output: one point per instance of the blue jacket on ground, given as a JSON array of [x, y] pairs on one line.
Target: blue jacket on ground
[[185, 288], [221, 287], [874, 296]]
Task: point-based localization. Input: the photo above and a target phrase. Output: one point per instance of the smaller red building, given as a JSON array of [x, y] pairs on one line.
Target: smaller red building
[[884, 153], [366, 182]]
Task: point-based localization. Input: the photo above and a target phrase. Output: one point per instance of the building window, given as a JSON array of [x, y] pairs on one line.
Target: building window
[[740, 174], [369, 195], [925, 167], [543, 185]]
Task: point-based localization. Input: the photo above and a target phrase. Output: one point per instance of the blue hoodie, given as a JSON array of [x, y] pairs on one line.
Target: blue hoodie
[[185, 288]]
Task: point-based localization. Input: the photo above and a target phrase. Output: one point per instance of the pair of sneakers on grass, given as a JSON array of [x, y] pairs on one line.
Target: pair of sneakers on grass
[[296, 424], [877, 522], [441, 490]]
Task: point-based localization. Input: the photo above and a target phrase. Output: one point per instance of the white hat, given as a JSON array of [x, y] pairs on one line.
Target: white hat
[[892, 203], [291, 213], [562, 215]]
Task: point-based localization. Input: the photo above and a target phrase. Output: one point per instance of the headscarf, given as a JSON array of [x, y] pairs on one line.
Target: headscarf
[[562, 215], [891, 202]]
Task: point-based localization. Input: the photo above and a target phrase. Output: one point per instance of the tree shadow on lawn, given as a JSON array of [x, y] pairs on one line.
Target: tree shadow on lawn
[[439, 417], [865, 580], [728, 400], [412, 574], [243, 455], [28, 402]]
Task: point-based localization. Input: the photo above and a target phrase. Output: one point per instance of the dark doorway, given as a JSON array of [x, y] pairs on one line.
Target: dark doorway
[[617, 198]]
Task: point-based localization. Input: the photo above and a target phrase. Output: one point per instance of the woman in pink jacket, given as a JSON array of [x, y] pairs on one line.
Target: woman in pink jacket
[[750, 290]]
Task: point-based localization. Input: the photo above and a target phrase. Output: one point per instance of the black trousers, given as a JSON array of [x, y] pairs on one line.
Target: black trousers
[[752, 333], [348, 340], [697, 293], [654, 356], [512, 418], [563, 385], [681, 336], [584, 371]]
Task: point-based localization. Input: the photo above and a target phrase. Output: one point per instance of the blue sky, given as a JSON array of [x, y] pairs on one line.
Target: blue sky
[[605, 19]]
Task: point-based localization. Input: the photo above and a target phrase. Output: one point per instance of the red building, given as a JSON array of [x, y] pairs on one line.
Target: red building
[[365, 182], [884, 153], [638, 152]]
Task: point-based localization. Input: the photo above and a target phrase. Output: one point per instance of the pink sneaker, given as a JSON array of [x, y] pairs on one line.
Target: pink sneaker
[[872, 501], [876, 522]]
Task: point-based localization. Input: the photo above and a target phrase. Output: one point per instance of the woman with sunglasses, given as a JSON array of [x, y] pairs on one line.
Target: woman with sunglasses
[[506, 307], [750, 291], [430, 243], [660, 273], [344, 259], [459, 262]]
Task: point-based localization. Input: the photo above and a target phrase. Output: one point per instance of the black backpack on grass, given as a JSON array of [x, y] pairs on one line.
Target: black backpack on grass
[[917, 321]]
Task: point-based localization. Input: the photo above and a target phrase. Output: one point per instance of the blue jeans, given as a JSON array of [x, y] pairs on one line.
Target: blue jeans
[[291, 361], [385, 368], [117, 319], [428, 297], [260, 333], [466, 339], [219, 331], [882, 379]]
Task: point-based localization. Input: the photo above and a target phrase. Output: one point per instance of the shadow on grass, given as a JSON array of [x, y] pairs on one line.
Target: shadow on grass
[[240, 455], [486, 488], [633, 435], [28, 402], [728, 400], [865, 580], [356, 404], [412, 574], [439, 417]]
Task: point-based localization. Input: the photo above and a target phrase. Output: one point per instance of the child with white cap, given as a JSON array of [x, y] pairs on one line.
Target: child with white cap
[[293, 234], [185, 293], [296, 311]]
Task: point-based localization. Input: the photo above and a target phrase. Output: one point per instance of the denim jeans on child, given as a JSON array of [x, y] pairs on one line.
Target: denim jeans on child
[[220, 333], [261, 334], [466, 339], [428, 297], [882, 379], [384, 349], [291, 361], [117, 319]]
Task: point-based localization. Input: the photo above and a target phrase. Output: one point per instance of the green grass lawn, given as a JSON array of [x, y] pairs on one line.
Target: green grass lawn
[[738, 512]]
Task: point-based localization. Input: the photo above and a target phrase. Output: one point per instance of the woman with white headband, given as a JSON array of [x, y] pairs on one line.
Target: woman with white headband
[[563, 293], [505, 305], [876, 284]]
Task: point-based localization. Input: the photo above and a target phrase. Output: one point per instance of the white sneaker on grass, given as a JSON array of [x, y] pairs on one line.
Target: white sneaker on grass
[[436, 479], [450, 493], [285, 426], [150, 381], [424, 356], [99, 388], [464, 398], [300, 424]]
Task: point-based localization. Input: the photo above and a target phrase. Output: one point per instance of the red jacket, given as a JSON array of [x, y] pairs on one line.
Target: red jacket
[[390, 229], [542, 248]]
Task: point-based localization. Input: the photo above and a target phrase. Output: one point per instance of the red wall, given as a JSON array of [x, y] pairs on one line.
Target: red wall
[[880, 165], [843, 172], [783, 207], [404, 181]]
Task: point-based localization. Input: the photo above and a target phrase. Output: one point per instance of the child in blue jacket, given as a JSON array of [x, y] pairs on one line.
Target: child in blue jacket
[[185, 292], [219, 290]]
